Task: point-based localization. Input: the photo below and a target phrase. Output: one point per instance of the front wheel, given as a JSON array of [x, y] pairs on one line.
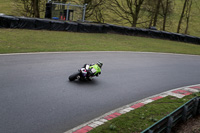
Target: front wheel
[[74, 76]]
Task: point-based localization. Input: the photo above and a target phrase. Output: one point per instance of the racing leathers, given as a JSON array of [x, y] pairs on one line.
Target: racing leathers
[[92, 70]]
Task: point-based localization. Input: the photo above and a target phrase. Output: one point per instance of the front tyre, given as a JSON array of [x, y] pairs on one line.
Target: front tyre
[[74, 76]]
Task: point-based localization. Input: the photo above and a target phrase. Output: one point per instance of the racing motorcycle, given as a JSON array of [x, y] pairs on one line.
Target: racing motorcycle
[[82, 74]]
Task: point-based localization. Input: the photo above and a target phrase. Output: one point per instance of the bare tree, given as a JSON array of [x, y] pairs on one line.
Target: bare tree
[[167, 8], [94, 10], [36, 10], [149, 9], [99, 15], [182, 15], [156, 12], [153, 9], [24, 7], [188, 11], [185, 14], [29, 8], [127, 10]]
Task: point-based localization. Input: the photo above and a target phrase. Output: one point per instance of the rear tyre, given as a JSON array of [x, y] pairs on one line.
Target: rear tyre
[[74, 76]]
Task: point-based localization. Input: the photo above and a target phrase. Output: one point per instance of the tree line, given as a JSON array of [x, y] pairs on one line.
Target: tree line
[[134, 13]]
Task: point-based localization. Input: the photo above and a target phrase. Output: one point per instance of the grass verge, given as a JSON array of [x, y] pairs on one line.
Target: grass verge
[[141, 118], [18, 41], [6, 7]]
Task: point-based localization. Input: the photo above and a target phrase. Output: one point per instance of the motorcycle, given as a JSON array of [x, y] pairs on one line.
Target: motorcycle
[[82, 74]]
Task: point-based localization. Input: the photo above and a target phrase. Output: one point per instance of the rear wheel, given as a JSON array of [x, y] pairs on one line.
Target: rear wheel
[[74, 76]]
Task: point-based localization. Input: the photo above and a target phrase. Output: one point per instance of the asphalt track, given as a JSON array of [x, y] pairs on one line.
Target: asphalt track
[[36, 96]]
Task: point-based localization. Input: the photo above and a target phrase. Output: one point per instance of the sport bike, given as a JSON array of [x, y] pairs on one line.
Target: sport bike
[[82, 74]]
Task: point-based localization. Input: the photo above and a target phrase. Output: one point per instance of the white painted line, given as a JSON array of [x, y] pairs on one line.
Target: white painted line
[[93, 125], [147, 101], [176, 95], [191, 90], [163, 95], [103, 120], [126, 110], [99, 122]]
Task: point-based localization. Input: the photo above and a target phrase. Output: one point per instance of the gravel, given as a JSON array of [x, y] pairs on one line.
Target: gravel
[[190, 126]]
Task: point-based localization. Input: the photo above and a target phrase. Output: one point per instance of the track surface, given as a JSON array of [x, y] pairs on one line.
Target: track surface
[[36, 96]]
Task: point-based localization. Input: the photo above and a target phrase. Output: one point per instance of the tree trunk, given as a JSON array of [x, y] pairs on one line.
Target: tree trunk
[[135, 17], [165, 14], [151, 21], [164, 22], [137, 11], [156, 13], [188, 17], [182, 15], [36, 8]]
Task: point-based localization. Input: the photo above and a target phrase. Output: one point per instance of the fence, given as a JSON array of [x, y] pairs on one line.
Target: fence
[[183, 113], [68, 12], [48, 24]]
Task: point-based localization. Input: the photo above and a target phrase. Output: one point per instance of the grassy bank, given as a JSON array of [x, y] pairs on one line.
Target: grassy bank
[[16, 41], [141, 118], [6, 7], [9, 7]]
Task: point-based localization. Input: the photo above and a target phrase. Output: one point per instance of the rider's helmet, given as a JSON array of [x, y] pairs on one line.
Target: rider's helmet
[[100, 64]]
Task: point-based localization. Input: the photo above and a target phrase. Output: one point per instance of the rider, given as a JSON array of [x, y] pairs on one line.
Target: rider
[[93, 69]]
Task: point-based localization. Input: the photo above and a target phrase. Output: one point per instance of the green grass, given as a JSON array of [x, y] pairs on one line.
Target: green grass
[[194, 18], [141, 118], [17, 41], [8, 7], [172, 20]]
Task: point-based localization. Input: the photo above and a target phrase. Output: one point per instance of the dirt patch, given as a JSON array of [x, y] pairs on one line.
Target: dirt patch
[[190, 126]]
